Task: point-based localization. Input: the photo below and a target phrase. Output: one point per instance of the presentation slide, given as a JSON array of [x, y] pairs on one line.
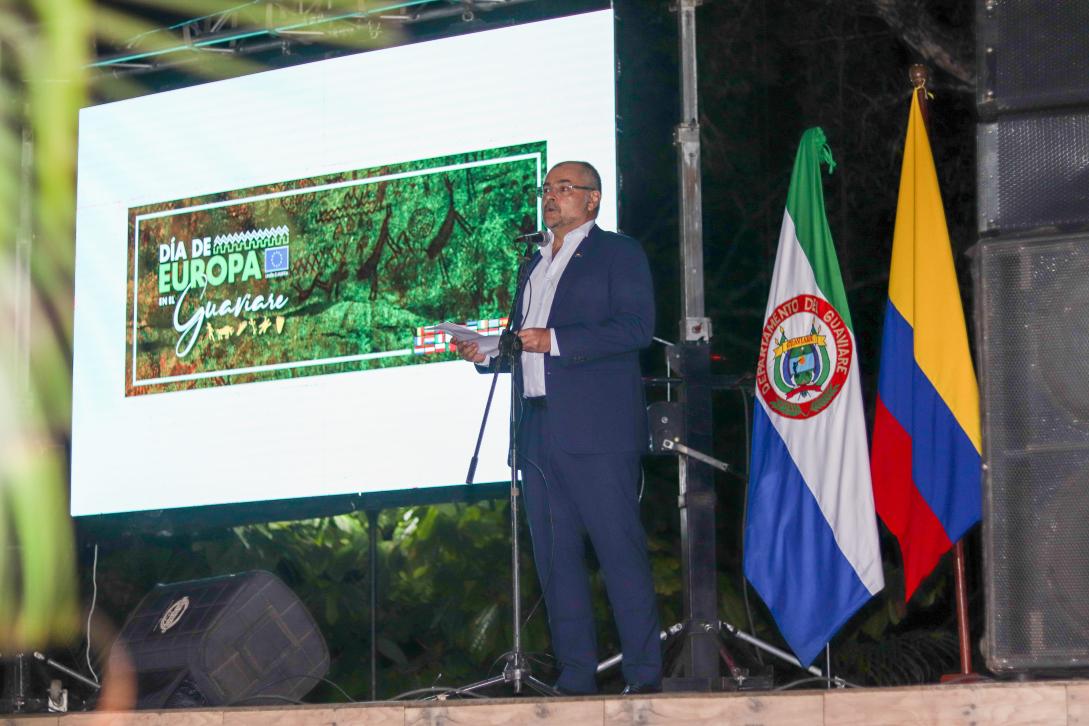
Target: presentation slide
[[261, 263]]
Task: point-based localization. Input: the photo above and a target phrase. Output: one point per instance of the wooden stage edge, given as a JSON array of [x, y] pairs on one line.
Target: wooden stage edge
[[1040, 702]]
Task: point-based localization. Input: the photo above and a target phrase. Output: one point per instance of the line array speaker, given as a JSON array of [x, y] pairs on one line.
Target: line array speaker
[[1033, 172], [1031, 54], [1032, 325], [1033, 95]]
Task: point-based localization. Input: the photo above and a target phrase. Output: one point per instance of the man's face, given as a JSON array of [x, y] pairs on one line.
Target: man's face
[[564, 212]]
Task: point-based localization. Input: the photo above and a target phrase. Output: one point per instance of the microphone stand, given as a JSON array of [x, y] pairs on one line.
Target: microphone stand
[[516, 671]]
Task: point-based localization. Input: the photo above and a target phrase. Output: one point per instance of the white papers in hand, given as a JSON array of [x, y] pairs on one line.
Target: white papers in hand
[[486, 344]]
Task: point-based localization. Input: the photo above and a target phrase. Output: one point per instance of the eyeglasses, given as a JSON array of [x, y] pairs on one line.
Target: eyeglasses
[[562, 189]]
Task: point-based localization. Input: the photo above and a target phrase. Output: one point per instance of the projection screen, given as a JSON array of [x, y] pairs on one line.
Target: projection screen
[[260, 263]]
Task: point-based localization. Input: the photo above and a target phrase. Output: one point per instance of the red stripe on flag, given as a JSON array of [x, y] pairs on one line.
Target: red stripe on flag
[[902, 508]]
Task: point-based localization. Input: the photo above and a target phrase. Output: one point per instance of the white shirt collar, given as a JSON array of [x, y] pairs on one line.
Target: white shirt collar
[[576, 235]]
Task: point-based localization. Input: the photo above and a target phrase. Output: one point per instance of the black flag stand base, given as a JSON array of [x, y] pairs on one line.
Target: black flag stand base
[[739, 679]]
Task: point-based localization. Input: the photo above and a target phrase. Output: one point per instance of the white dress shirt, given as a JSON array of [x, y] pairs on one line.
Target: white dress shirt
[[537, 302]]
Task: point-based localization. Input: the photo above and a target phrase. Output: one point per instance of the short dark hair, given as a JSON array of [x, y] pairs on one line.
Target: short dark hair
[[589, 169]]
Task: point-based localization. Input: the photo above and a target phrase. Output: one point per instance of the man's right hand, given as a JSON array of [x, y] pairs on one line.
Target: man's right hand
[[471, 352]]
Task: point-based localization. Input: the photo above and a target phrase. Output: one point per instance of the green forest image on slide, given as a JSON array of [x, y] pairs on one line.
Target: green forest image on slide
[[330, 274]]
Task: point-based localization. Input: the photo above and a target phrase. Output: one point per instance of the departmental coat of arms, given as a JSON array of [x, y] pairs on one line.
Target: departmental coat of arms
[[805, 357]]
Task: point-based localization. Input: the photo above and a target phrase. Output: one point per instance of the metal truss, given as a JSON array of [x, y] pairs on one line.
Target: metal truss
[[284, 25]]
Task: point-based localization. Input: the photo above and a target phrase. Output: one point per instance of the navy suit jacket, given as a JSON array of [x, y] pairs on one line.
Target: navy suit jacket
[[603, 314]]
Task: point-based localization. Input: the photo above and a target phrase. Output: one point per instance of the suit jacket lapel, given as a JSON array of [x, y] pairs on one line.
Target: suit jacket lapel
[[576, 267]]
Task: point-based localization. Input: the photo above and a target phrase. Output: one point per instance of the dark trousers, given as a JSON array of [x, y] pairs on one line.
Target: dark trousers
[[570, 498]]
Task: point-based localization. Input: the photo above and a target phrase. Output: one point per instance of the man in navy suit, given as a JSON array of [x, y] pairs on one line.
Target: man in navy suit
[[585, 312]]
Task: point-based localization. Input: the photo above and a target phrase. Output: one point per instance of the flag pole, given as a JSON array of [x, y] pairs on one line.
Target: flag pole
[[919, 75]]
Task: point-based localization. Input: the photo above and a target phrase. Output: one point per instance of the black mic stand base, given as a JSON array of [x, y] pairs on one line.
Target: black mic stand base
[[516, 673]]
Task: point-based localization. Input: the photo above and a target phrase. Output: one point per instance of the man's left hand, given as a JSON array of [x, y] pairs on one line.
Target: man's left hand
[[536, 340]]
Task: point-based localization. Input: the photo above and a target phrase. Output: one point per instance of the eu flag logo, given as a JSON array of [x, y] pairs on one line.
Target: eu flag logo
[[276, 261]]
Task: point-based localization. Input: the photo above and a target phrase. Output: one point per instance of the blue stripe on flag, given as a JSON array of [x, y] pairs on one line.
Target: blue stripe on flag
[[791, 555], [944, 464], [897, 361]]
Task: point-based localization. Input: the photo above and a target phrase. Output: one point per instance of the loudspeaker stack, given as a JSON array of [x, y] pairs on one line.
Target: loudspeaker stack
[[1032, 313]]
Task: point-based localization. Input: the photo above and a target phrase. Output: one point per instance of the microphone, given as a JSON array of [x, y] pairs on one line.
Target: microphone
[[533, 238], [510, 344]]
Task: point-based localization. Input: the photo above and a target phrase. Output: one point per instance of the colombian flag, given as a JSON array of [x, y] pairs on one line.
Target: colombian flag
[[925, 457]]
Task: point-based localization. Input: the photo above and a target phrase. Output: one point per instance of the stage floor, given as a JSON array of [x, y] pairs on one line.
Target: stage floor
[[1046, 702]]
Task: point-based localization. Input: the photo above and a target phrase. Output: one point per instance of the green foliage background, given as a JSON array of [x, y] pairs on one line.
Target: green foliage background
[[444, 586]]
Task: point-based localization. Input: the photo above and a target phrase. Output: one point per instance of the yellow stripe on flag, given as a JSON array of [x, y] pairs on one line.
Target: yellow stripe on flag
[[923, 282]]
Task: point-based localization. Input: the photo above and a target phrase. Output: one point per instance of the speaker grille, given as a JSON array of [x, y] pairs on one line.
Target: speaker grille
[[1034, 173], [242, 638], [1033, 309], [1033, 54]]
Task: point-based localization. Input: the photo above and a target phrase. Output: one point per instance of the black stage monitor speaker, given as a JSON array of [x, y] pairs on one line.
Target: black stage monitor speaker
[[1032, 308], [234, 639]]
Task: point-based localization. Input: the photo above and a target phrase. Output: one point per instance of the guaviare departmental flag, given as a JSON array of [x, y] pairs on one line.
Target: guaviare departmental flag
[[926, 434], [811, 547]]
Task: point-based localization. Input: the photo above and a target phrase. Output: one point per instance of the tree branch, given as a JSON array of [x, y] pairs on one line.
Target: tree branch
[[936, 44]]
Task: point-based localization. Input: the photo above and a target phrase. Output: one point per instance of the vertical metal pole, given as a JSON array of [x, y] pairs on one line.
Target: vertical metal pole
[[693, 360], [697, 511], [687, 138], [516, 662], [963, 637], [16, 682], [372, 540]]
